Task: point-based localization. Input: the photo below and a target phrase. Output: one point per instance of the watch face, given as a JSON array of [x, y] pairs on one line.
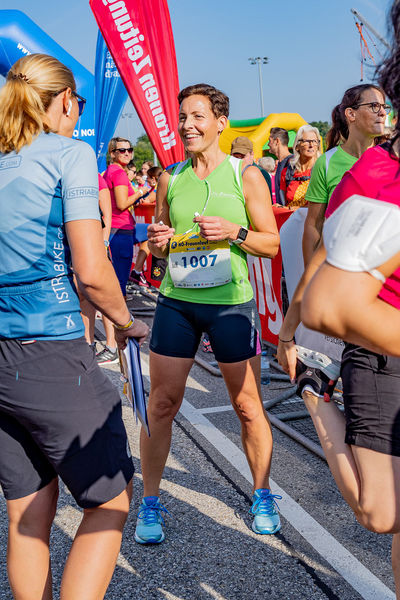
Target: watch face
[[242, 235]]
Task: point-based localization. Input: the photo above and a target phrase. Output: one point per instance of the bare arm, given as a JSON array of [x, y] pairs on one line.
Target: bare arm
[[158, 235], [105, 207], [263, 240], [122, 200], [346, 305], [96, 277], [149, 198], [313, 229]]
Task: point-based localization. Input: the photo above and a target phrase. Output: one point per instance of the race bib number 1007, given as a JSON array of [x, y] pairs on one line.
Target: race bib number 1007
[[195, 262]]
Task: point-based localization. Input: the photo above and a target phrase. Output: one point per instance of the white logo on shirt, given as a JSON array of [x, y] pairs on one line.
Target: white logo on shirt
[[70, 323]]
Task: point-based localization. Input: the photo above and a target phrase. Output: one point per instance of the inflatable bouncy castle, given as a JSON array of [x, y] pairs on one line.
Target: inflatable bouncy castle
[[257, 130]]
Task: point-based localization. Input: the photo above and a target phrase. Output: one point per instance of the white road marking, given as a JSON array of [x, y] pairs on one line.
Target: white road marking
[[191, 383], [348, 566], [352, 570], [215, 409]]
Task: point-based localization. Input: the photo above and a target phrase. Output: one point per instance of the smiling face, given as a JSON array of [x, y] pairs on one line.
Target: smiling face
[[364, 119], [198, 127], [124, 157]]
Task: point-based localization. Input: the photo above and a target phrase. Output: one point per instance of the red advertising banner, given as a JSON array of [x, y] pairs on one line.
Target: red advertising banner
[[140, 40], [265, 277]]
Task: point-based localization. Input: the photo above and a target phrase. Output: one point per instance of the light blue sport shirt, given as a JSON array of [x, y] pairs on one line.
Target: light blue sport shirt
[[48, 183]]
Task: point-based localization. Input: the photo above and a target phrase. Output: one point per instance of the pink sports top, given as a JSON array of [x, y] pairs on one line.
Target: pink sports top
[[375, 175]]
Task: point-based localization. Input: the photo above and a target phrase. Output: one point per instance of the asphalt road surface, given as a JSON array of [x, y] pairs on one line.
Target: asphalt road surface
[[210, 551]]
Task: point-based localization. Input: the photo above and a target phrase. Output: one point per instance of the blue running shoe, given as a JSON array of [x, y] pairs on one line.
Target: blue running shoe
[[149, 521], [266, 517]]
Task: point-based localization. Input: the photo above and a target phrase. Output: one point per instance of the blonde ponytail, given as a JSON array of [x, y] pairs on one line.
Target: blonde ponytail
[[31, 85]]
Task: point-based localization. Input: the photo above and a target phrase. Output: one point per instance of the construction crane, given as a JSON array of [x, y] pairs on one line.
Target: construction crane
[[360, 23], [368, 26]]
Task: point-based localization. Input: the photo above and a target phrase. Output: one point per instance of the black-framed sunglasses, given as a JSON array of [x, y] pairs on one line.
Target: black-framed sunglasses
[[375, 107], [81, 102], [123, 150], [80, 99]]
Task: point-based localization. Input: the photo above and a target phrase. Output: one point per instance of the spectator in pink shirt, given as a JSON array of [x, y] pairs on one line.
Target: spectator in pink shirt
[[123, 196]]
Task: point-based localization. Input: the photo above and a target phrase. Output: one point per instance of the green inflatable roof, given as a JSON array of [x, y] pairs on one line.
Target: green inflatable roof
[[255, 123]]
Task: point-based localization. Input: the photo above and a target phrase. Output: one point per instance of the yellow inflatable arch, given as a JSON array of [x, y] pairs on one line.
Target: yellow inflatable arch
[[258, 130]]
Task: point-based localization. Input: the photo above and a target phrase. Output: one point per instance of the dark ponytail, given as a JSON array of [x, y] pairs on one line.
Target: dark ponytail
[[339, 131], [389, 76]]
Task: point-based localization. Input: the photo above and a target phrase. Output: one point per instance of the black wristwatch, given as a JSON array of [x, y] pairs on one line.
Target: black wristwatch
[[242, 235]]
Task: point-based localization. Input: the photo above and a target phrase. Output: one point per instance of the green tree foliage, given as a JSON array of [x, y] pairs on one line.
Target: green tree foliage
[[143, 151], [323, 127]]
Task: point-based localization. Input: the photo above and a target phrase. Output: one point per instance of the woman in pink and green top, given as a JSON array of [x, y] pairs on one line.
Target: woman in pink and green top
[[356, 298]]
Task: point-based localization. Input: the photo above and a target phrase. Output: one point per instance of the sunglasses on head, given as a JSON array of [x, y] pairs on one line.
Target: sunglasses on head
[[81, 101], [123, 150]]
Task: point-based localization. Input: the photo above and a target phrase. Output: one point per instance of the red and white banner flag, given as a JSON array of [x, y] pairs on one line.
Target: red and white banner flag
[[139, 37], [265, 277]]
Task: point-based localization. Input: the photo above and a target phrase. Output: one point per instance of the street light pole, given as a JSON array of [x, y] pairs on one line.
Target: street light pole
[[260, 61], [128, 115]]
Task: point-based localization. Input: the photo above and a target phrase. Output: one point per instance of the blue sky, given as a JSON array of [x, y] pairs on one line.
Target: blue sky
[[313, 48]]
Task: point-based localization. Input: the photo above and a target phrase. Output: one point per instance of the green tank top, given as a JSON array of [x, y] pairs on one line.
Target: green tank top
[[186, 195]]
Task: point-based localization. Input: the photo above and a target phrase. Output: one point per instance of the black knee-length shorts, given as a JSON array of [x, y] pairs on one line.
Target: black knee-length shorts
[[371, 394], [60, 415]]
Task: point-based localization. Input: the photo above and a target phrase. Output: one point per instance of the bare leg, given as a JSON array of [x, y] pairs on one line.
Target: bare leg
[[109, 329], [28, 557], [330, 425], [168, 377], [93, 554], [141, 257], [368, 480], [396, 562], [243, 382], [88, 312]]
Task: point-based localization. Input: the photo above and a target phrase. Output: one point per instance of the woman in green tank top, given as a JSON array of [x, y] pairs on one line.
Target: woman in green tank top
[[203, 214]]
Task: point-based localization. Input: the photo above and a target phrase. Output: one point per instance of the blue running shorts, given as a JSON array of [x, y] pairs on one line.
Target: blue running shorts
[[234, 330]]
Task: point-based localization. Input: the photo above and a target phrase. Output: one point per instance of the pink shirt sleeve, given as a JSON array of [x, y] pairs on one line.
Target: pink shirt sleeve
[[102, 183], [374, 176], [346, 188], [119, 177]]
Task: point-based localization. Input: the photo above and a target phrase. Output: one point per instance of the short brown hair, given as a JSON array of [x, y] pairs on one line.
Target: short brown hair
[[154, 172], [219, 101], [112, 144], [280, 134]]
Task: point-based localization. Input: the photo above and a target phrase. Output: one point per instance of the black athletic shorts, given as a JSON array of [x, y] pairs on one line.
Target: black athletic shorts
[[234, 330], [60, 415], [371, 394]]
